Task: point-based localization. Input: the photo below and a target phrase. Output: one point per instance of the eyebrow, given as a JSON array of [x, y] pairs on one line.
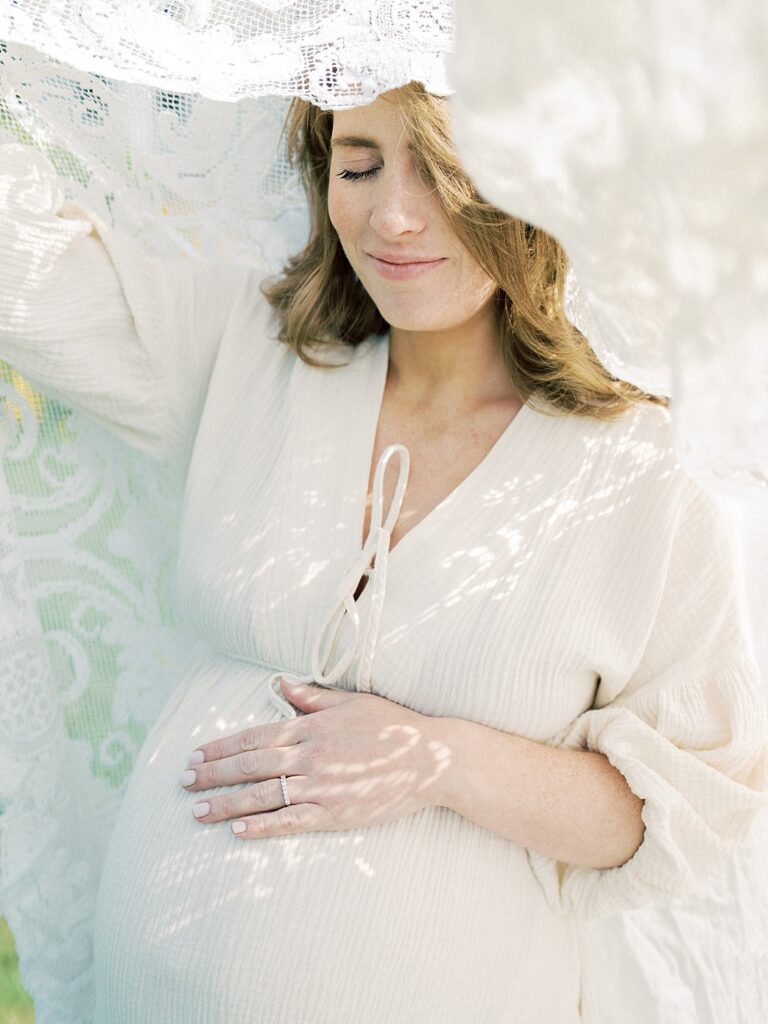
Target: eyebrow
[[358, 141]]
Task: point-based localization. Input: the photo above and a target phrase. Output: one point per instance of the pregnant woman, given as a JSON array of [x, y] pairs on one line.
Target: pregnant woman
[[526, 689]]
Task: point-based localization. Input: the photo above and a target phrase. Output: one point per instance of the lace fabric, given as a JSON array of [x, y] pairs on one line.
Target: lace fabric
[[337, 53], [134, 107], [611, 127]]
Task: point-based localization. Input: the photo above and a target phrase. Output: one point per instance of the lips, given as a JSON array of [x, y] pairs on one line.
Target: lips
[[405, 271], [399, 260]]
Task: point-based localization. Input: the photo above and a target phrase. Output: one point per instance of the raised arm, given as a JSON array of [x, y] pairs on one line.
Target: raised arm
[[95, 322]]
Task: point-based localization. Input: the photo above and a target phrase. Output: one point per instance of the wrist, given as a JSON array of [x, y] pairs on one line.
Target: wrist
[[445, 745]]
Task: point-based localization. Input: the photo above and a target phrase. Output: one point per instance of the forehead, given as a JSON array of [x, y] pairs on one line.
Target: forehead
[[368, 127]]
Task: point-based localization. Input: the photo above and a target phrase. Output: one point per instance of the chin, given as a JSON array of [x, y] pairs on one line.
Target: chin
[[413, 320], [414, 325]]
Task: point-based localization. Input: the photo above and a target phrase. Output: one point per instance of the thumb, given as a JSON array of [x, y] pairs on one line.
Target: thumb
[[310, 697]]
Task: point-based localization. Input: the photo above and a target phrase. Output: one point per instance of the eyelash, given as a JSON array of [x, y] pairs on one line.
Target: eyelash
[[356, 175]]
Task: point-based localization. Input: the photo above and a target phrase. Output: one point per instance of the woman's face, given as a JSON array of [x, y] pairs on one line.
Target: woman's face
[[390, 217]]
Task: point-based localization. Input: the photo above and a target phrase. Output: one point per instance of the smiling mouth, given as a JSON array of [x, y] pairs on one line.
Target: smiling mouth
[[405, 271], [405, 263]]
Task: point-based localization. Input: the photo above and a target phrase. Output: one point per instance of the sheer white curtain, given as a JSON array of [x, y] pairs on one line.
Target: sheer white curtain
[[609, 126]]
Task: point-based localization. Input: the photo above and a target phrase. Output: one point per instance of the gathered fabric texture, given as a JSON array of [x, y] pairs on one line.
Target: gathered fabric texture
[[577, 588]]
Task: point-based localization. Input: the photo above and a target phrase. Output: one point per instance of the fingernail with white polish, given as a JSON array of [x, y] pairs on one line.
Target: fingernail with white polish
[[196, 757], [188, 777], [201, 809]]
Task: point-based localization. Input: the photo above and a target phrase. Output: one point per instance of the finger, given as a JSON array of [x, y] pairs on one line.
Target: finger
[[255, 737], [248, 766], [283, 822], [255, 799], [311, 697]]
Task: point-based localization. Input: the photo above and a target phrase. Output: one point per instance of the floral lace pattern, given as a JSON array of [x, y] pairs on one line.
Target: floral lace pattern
[[90, 650]]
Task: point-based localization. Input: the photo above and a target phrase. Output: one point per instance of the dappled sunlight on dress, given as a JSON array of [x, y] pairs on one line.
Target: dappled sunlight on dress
[[510, 604], [576, 588]]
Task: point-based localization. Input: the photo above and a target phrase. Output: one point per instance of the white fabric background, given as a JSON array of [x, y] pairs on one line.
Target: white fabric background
[[609, 126]]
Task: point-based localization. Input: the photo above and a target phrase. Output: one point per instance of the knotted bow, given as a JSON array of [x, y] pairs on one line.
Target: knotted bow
[[371, 562]]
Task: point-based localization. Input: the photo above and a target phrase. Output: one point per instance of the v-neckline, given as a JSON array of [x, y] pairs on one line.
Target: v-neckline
[[380, 355]]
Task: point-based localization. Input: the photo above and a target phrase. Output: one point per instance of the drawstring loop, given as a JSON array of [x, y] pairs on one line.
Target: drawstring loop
[[371, 562]]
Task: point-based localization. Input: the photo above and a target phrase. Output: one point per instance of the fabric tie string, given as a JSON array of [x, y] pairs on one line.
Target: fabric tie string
[[371, 562]]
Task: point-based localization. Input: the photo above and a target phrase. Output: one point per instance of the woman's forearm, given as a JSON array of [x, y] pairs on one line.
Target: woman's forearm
[[572, 805]]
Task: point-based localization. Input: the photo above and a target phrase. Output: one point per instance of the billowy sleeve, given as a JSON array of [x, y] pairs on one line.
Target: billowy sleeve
[[688, 730], [95, 322]]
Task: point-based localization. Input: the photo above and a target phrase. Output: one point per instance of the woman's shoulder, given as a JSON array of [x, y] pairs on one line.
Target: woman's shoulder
[[634, 454], [253, 351], [646, 448], [642, 433]]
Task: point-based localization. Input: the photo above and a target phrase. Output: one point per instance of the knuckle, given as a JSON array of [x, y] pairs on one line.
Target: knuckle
[[322, 818], [303, 727], [289, 819], [313, 751], [308, 727], [225, 806], [214, 751], [336, 805], [248, 762], [249, 738], [257, 796]]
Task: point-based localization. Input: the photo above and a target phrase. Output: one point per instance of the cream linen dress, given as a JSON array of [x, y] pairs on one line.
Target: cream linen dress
[[576, 588]]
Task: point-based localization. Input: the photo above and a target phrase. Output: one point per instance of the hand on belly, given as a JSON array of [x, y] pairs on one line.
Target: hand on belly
[[351, 760]]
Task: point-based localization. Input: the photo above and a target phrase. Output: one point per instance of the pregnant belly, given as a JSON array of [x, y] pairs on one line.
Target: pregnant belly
[[426, 919]]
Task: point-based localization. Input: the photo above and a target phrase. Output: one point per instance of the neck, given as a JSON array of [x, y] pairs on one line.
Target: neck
[[460, 367]]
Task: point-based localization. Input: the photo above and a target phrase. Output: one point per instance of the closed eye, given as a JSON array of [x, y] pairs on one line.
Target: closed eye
[[356, 175]]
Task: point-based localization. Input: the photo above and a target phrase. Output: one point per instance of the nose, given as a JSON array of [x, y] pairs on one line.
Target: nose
[[399, 206]]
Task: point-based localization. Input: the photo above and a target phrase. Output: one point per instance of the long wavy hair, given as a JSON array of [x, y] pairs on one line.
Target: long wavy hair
[[321, 300]]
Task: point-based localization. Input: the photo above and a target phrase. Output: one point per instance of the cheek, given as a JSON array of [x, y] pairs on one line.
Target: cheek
[[479, 281], [476, 277], [336, 209], [344, 211]]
